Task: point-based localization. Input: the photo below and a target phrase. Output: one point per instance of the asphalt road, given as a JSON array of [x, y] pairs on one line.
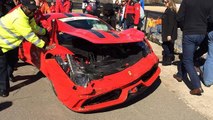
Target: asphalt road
[[32, 98]]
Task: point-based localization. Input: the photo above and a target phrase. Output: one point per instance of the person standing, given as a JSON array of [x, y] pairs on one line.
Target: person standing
[[62, 6], [109, 14], [71, 5], [52, 7], [121, 11], [142, 3], [132, 14], [14, 27], [192, 17], [169, 32], [207, 68], [208, 65], [44, 7], [84, 5], [181, 74]]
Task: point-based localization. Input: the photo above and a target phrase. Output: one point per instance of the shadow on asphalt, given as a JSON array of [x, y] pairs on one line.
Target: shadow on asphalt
[[175, 63], [21, 78], [29, 79], [186, 81], [5, 105], [19, 64], [133, 99]]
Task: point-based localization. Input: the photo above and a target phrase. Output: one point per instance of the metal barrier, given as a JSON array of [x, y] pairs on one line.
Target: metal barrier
[[151, 14], [155, 15]]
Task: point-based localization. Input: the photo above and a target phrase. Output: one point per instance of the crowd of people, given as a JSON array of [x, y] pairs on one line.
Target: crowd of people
[[64, 6], [125, 13], [195, 19], [130, 13]]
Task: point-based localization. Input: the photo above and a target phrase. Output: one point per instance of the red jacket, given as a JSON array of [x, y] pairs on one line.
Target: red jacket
[[62, 7], [52, 8], [44, 7], [132, 13], [137, 13]]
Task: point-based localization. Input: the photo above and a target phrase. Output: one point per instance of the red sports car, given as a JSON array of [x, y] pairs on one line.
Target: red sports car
[[93, 66]]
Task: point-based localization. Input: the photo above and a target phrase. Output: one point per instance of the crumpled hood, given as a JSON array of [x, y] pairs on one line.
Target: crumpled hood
[[103, 37]]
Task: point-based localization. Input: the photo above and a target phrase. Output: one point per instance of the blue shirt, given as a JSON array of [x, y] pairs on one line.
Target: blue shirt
[[142, 3]]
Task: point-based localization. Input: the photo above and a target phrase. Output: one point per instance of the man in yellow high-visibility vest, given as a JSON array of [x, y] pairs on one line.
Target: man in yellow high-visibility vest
[[14, 28]]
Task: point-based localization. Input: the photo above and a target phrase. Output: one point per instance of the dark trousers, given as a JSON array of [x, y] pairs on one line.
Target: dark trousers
[[168, 48], [12, 59], [129, 25], [4, 79], [190, 44], [8, 61]]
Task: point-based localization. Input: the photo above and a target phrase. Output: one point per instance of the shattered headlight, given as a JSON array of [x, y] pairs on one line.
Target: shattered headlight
[[76, 72]]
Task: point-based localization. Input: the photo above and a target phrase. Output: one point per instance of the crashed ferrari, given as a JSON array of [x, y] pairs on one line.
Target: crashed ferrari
[[93, 66]]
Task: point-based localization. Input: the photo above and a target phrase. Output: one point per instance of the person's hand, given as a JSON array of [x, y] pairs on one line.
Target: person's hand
[[169, 38], [135, 26], [50, 47]]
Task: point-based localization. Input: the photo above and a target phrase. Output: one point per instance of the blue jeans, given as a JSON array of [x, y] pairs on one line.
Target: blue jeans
[[190, 44], [208, 66], [181, 70], [159, 28]]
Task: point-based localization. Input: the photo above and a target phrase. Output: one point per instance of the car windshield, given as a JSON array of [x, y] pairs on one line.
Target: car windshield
[[87, 23]]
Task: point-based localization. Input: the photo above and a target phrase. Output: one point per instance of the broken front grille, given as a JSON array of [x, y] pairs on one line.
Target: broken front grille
[[113, 95], [145, 77]]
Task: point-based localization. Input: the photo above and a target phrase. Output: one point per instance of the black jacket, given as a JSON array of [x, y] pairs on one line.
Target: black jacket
[[169, 24], [192, 16]]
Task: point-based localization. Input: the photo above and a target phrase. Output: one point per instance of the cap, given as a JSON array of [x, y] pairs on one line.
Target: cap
[[30, 4]]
